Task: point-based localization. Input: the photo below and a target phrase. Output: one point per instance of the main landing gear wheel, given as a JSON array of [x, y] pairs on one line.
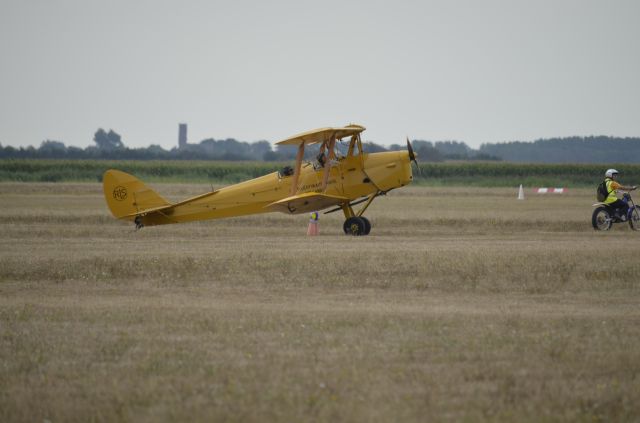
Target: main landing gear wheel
[[367, 225], [355, 226]]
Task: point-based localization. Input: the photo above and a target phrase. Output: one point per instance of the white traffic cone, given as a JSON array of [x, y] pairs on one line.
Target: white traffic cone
[[312, 229], [521, 193]]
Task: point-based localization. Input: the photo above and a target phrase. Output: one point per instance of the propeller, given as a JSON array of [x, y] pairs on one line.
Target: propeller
[[412, 155]]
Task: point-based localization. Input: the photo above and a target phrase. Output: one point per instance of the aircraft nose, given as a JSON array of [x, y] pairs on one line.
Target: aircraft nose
[[407, 174]]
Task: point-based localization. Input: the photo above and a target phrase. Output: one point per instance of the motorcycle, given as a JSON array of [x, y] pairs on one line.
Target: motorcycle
[[604, 215]]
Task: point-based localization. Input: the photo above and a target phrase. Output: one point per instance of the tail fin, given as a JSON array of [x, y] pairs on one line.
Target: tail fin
[[126, 195]]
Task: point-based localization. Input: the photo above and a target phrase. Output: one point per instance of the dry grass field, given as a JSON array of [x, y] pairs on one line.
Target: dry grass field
[[462, 305]]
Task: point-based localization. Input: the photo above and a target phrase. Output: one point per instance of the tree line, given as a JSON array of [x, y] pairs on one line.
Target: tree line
[[592, 149], [109, 145]]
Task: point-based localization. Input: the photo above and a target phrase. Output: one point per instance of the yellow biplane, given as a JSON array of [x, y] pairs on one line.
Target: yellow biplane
[[341, 176]]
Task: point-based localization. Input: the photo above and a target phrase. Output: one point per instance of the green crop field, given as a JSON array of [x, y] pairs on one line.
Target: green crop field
[[464, 304], [490, 174]]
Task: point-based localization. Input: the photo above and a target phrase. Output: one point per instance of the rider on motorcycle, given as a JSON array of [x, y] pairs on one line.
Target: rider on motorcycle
[[612, 184]]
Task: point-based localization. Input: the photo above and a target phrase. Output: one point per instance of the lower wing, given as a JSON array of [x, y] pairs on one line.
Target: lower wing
[[305, 203]]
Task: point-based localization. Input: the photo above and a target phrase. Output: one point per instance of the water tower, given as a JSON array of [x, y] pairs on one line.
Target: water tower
[[182, 135]]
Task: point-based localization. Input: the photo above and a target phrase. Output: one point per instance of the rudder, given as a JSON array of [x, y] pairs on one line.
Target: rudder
[[126, 195]]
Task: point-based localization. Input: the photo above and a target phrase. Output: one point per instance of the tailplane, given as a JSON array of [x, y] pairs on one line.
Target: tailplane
[[128, 196]]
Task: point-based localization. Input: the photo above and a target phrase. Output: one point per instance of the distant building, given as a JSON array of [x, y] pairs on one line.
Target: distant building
[[182, 135]]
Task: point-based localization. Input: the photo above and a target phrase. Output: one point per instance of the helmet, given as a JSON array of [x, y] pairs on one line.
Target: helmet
[[610, 172]]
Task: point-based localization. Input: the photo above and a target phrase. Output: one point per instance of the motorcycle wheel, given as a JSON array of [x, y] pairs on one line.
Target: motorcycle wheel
[[634, 218], [601, 219]]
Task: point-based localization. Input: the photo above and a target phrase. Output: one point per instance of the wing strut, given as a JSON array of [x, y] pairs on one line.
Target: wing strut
[[327, 164], [296, 174]]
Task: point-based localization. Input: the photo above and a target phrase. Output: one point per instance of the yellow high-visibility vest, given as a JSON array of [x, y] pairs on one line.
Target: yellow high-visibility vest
[[612, 192]]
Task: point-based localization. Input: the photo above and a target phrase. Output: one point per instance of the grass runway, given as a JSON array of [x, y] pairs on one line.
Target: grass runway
[[462, 305]]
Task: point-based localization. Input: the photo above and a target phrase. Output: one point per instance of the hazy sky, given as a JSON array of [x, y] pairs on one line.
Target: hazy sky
[[474, 71]]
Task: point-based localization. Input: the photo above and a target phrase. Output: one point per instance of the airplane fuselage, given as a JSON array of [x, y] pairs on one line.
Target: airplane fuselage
[[353, 177]]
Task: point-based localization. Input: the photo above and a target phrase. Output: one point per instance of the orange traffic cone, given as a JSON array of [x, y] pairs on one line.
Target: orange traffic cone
[[312, 229]]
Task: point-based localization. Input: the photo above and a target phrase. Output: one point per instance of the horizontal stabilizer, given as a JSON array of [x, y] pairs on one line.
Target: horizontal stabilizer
[[144, 212], [305, 203], [168, 209]]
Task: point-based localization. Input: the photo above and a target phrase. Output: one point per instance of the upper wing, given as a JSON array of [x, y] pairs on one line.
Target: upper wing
[[322, 134], [305, 203]]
